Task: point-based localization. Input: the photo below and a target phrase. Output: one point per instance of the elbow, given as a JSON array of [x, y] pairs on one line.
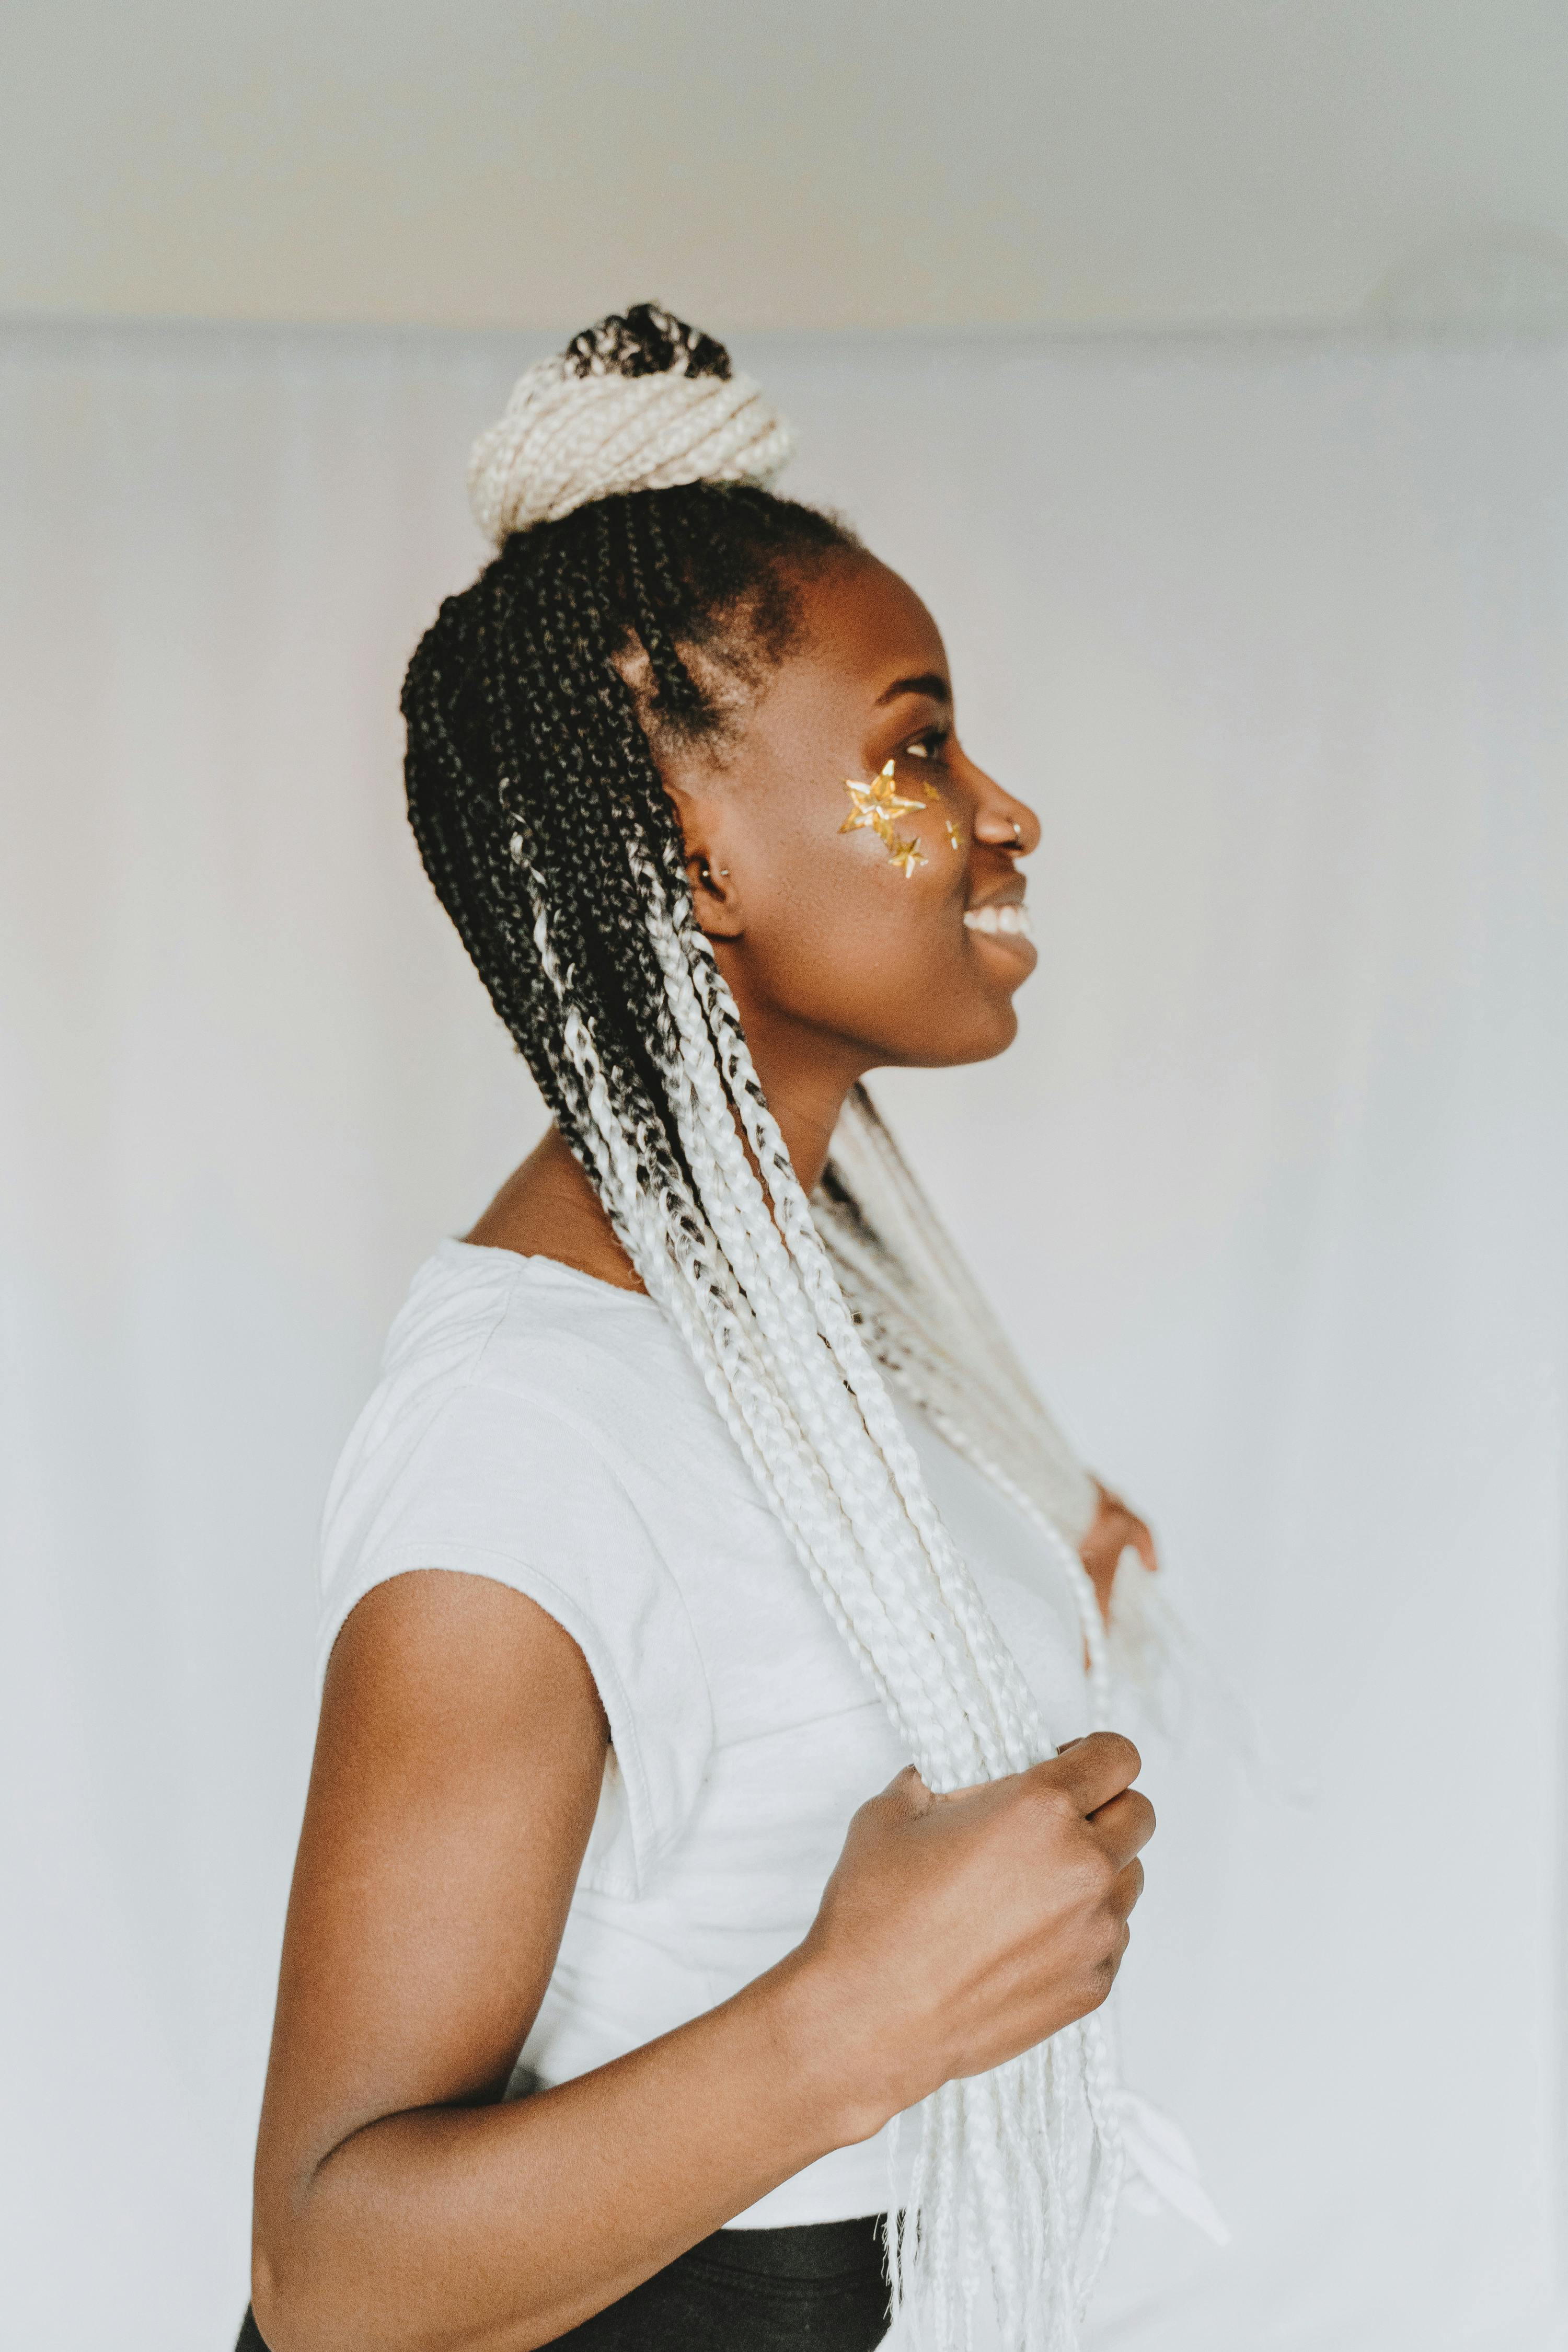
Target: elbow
[[266, 2306], [297, 2309], [294, 2311], [282, 2314]]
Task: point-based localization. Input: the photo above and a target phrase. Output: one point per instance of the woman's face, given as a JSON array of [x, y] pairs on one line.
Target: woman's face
[[885, 943]]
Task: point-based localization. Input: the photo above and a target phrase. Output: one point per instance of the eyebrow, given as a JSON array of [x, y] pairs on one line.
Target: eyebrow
[[934, 688]]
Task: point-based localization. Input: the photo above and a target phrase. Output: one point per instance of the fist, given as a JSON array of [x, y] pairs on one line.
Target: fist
[[958, 1930]]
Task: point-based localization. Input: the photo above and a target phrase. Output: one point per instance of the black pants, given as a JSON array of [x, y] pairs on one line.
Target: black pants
[[820, 2288]]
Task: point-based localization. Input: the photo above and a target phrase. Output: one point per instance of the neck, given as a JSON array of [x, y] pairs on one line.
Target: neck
[[548, 1207], [806, 1094], [807, 1073]]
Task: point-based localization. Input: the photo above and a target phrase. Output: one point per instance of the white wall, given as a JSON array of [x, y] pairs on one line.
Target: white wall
[[1270, 1192], [897, 163]]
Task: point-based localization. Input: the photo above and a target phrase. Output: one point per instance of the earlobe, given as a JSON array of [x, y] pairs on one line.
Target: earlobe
[[713, 896]]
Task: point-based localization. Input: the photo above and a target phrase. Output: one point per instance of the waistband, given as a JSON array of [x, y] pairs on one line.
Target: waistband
[[806, 2249]]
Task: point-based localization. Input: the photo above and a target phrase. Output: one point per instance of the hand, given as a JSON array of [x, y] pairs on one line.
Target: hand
[[1114, 1527], [957, 1931]]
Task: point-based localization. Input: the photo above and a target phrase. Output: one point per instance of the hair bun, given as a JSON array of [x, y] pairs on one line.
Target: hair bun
[[639, 401]]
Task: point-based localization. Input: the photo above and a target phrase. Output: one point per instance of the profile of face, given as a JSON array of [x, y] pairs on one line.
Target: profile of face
[[871, 928]]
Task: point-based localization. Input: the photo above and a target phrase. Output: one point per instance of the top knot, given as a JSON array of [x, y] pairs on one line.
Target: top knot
[[639, 401], [647, 340]]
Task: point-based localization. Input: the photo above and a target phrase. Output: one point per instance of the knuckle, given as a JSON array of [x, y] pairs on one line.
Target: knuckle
[[1098, 1979], [1126, 1754], [1049, 1807], [1099, 1871]]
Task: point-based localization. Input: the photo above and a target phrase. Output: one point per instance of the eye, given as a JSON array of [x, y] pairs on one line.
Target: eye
[[932, 745]]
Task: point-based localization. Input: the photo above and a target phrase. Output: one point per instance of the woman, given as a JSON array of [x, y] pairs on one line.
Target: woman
[[639, 1583]]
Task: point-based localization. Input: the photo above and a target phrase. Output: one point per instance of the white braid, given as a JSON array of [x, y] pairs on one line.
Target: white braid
[[903, 1275], [565, 439], [1016, 2172]]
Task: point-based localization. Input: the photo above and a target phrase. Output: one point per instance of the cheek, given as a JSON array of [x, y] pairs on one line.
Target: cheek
[[848, 943]]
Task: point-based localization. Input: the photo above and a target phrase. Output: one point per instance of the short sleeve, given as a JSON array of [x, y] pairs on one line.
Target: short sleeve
[[497, 1480]]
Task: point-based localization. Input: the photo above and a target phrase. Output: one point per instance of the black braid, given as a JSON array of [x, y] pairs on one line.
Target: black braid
[[532, 762], [647, 340]]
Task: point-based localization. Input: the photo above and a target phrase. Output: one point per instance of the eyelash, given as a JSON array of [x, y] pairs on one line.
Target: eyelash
[[935, 739]]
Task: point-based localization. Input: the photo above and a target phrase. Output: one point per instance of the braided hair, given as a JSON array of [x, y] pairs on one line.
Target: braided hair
[[647, 580]]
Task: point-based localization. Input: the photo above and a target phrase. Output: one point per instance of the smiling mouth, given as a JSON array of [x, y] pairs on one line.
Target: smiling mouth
[[999, 922]]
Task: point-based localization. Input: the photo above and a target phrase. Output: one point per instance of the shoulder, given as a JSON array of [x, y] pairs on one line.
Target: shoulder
[[519, 1406], [508, 1436], [490, 1347]]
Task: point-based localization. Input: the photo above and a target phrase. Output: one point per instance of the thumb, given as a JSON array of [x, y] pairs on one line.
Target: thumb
[[906, 1793]]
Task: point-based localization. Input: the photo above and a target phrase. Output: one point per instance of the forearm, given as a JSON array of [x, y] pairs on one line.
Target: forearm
[[494, 2229]]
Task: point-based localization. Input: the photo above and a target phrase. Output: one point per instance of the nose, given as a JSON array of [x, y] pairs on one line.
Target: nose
[[1001, 820]]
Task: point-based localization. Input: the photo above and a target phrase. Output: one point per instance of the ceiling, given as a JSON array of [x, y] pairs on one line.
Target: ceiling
[[939, 164]]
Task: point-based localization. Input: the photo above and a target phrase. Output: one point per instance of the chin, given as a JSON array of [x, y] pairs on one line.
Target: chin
[[999, 1034], [980, 1039]]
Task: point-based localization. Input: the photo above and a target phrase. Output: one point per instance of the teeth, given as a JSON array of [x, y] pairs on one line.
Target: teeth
[[999, 919]]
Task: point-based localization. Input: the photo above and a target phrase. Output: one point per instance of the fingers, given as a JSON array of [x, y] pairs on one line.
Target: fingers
[[1124, 1826], [1115, 1527], [1125, 1889], [1093, 1771], [1102, 1576]]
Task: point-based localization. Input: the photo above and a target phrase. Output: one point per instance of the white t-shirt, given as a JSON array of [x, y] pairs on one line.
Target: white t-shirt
[[537, 1426]]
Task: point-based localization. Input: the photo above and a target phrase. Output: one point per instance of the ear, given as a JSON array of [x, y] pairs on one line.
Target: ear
[[707, 827], [714, 893]]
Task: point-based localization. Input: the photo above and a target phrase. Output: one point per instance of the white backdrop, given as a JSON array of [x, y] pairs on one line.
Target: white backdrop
[[1271, 1192]]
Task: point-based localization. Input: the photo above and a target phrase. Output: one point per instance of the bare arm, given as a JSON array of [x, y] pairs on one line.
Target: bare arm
[[457, 1773]]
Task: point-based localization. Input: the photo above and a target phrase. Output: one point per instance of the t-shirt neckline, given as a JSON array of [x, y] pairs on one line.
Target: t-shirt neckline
[[547, 1269]]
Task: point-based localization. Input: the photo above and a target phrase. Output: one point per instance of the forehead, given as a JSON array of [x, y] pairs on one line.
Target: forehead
[[864, 628]]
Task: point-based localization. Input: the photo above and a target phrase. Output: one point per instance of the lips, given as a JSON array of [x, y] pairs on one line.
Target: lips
[[999, 922]]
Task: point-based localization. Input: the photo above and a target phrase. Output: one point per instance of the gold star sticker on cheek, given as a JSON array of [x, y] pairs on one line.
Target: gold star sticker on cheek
[[929, 792], [905, 852], [873, 805], [862, 816], [887, 796], [954, 838]]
